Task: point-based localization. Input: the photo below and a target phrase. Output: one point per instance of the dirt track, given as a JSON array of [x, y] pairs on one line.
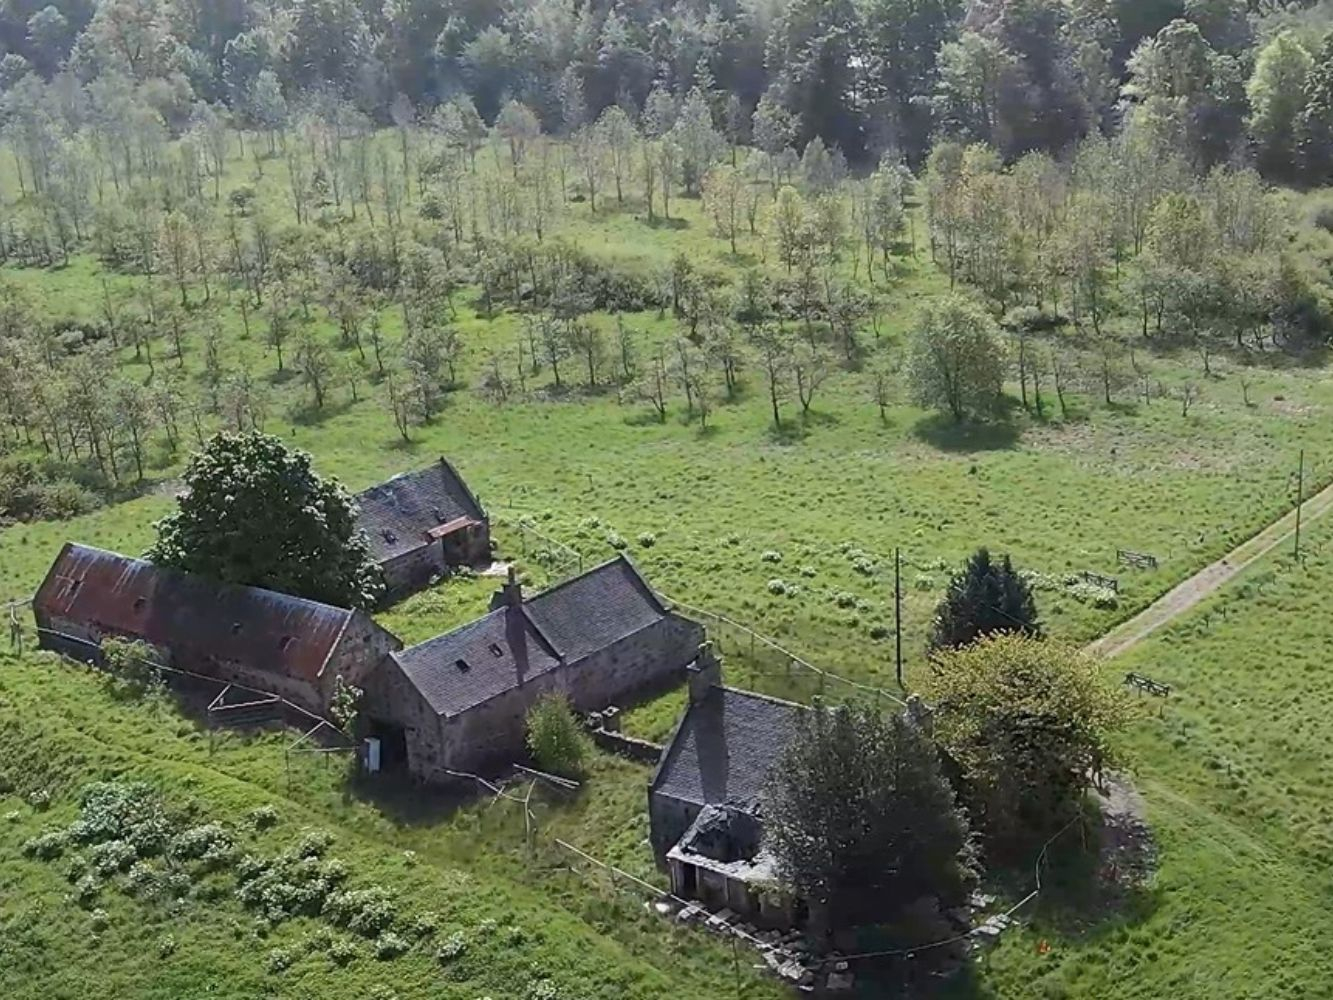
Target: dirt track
[[1208, 580]]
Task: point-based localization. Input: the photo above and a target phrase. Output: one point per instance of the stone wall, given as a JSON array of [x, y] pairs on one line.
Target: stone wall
[[493, 734], [668, 819], [361, 650], [633, 749], [414, 570], [300, 692]]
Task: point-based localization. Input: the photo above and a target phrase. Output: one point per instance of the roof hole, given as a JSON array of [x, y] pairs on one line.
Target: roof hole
[[235, 628], [462, 665], [284, 642], [139, 602]]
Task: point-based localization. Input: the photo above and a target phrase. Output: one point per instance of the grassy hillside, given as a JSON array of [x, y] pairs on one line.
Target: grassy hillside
[[1234, 772], [528, 929]]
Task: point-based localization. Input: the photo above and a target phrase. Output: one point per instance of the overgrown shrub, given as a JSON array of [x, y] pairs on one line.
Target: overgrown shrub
[[111, 856], [389, 945], [263, 817], [133, 665], [453, 948], [647, 539], [367, 912], [46, 846], [555, 738], [209, 843], [771, 556], [128, 811]]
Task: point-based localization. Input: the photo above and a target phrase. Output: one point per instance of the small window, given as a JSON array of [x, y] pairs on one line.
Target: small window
[[496, 650], [139, 603], [439, 514], [462, 665], [389, 536], [235, 628], [284, 642]]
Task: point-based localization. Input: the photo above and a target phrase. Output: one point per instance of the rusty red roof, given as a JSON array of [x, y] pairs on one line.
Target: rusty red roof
[[190, 614]]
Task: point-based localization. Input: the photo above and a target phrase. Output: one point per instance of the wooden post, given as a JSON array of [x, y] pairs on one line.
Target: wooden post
[[1300, 490], [898, 614]]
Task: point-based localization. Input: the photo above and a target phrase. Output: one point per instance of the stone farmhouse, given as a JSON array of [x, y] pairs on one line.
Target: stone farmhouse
[[256, 638], [422, 524], [704, 800], [459, 702]]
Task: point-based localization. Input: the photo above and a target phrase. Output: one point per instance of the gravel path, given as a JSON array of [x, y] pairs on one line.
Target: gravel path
[[1208, 580]]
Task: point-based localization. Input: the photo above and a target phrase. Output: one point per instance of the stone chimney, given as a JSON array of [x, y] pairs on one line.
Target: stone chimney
[[705, 672], [510, 595]]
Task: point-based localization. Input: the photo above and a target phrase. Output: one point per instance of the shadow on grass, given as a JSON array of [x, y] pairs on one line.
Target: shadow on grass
[[660, 223], [307, 414], [645, 417], [405, 802], [947, 434]]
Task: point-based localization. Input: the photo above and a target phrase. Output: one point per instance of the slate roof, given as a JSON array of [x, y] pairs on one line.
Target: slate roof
[[398, 515], [725, 747], [596, 609], [557, 627], [501, 651], [190, 614]]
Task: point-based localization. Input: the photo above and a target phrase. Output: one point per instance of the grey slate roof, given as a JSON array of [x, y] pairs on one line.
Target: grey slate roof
[[557, 627], [725, 747], [395, 515], [596, 609], [501, 650]]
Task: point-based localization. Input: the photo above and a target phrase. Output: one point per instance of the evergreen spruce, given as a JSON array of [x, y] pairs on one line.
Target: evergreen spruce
[[986, 597]]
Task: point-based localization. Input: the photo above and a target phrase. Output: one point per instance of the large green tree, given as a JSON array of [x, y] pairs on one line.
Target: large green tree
[[955, 358], [861, 819], [983, 598], [1276, 93], [1031, 725], [254, 512]]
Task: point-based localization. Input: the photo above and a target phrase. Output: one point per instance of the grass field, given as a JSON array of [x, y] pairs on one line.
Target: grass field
[[1233, 773]]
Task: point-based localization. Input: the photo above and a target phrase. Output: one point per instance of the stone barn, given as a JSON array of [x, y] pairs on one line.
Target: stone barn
[[421, 524], [460, 701], [244, 635], [705, 810]]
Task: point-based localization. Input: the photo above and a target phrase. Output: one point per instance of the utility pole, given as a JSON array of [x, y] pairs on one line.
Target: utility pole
[[898, 614], [1300, 496]]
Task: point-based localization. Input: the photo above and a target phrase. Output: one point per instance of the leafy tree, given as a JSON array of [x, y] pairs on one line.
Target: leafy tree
[[861, 819], [1315, 125], [1030, 724], [1276, 92], [133, 665], [983, 598], [555, 739], [254, 512], [955, 359]]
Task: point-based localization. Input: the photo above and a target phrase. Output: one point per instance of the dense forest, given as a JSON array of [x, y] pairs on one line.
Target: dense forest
[[1218, 80]]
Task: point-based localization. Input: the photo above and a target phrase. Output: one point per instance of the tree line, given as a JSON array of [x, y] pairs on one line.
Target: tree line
[[1217, 77]]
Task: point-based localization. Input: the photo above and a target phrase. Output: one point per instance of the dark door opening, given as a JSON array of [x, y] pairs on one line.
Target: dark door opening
[[393, 744]]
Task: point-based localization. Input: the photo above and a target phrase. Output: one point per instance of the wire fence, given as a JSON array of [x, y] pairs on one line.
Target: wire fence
[[559, 560]]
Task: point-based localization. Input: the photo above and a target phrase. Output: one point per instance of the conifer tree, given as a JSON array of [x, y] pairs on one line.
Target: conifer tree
[[985, 597]]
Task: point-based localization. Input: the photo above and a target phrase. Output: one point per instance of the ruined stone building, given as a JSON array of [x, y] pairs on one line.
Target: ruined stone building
[[421, 524], [243, 635], [705, 800], [460, 701]]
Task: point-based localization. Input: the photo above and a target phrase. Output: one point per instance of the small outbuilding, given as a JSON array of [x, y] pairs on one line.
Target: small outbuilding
[[705, 801], [422, 524], [256, 638], [459, 702]]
